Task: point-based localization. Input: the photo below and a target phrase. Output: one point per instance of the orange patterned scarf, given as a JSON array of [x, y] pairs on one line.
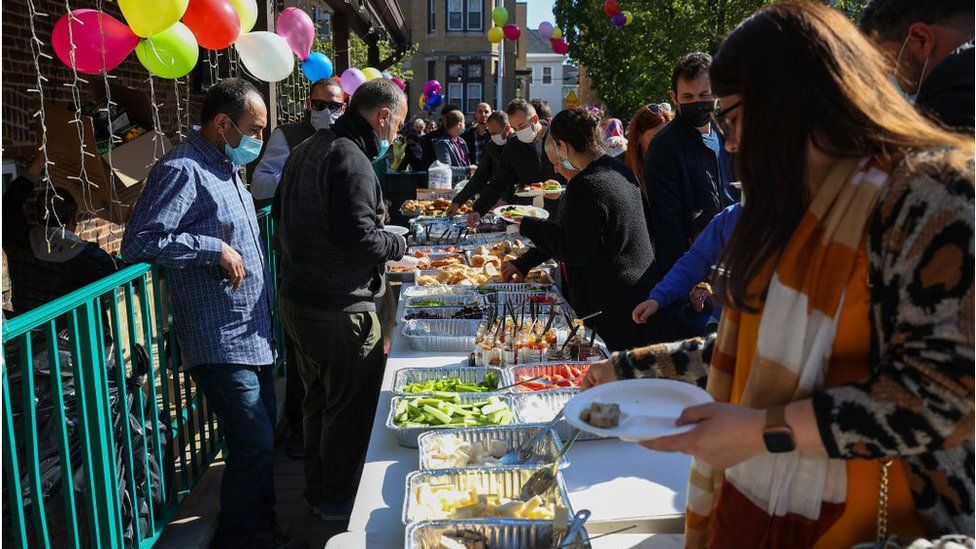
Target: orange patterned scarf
[[794, 496]]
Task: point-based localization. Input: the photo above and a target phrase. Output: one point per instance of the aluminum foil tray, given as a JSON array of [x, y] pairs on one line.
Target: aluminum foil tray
[[545, 452], [468, 374], [407, 436], [497, 534], [440, 335], [438, 290], [512, 374], [555, 399], [505, 483], [449, 300]]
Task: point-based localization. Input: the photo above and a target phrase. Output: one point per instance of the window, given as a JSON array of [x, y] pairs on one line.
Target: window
[[474, 96], [455, 15], [465, 84], [431, 70], [475, 17], [431, 16], [465, 15], [547, 75]]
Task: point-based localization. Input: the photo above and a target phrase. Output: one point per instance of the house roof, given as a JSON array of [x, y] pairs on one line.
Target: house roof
[[536, 43]]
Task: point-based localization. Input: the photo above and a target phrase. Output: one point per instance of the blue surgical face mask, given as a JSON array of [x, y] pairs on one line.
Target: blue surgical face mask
[[246, 151], [384, 144], [567, 164]]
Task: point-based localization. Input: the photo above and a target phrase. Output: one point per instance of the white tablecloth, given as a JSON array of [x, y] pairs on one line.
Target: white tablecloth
[[621, 483]]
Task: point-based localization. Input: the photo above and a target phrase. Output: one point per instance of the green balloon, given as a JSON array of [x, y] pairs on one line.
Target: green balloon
[[171, 53], [500, 16]]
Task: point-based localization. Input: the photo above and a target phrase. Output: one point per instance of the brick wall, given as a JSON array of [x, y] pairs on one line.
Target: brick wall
[[19, 128]]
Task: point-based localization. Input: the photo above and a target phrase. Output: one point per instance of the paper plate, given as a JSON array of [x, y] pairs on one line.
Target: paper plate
[[530, 211], [540, 192], [396, 229], [648, 407]]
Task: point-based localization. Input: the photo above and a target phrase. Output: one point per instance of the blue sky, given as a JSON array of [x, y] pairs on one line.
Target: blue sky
[[539, 11]]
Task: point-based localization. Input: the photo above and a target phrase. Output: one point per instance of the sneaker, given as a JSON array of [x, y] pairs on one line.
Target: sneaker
[[275, 538], [295, 444], [333, 511]]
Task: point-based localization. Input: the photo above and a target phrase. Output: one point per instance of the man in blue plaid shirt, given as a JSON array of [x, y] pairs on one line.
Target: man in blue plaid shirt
[[196, 218]]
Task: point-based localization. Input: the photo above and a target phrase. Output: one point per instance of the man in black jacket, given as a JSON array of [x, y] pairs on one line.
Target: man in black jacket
[[333, 253], [686, 167], [499, 131], [523, 160], [477, 136], [931, 45]]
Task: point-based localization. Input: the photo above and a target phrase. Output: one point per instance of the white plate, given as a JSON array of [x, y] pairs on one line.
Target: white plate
[[540, 192], [396, 229], [531, 211], [659, 401]]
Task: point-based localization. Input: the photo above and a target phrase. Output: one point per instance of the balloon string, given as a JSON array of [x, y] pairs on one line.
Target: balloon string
[[152, 46]]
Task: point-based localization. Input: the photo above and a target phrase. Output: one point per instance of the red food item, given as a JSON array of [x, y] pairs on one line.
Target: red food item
[[564, 375]]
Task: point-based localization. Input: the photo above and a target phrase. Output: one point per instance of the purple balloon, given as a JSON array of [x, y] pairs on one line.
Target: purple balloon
[[432, 87], [619, 20], [545, 30], [351, 80], [295, 26]]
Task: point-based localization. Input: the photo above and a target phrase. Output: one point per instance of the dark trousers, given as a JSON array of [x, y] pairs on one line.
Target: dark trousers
[[294, 389], [243, 398], [340, 358]]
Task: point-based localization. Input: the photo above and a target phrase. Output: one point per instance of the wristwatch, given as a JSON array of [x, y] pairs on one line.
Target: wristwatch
[[777, 435]]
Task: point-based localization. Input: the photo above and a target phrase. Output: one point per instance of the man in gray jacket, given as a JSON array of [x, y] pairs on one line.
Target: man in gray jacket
[[333, 250]]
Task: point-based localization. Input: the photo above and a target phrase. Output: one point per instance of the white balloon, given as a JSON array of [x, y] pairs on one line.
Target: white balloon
[[265, 55]]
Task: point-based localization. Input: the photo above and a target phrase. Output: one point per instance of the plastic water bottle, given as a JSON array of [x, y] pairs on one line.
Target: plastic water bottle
[[439, 176]]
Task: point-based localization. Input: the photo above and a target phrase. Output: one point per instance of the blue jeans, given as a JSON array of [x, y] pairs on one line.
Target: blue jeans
[[243, 398]]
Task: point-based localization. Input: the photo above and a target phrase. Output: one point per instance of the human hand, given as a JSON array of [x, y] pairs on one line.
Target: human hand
[[233, 264], [725, 434], [698, 295], [406, 262], [645, 310], [510, 272], [452, 209], [473, 169], [598, 373], [473, 219]]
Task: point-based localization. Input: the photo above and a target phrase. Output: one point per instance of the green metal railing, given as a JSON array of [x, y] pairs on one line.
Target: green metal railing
[[102, 452]]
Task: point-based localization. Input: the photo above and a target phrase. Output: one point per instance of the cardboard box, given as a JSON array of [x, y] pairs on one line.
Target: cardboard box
[[114, 188]]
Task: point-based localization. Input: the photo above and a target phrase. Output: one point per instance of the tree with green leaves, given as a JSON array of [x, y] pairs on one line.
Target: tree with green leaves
[[631, 66]]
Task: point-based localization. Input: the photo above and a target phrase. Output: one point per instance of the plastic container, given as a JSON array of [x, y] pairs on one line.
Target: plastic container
[[439, 176]]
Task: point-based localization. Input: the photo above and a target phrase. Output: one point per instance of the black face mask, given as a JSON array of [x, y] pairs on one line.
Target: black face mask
[[696, 114]]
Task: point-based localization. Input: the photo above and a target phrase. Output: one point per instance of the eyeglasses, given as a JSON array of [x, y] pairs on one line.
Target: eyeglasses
[[721, 119], [654, 108], [319, 104]]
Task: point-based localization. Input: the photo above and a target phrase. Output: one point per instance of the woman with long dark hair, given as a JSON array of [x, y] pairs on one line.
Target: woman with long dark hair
[[598, 233], [843, 366]]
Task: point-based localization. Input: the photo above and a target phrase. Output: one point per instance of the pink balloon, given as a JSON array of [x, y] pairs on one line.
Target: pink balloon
[[559, 46], [91, 39], [295, 26], [512, 31], [351, 80], [399, 83]]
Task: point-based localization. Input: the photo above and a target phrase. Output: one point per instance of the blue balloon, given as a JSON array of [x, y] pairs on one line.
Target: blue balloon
[[317, 66]]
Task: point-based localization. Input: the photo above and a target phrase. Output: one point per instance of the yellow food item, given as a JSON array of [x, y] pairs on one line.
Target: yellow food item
[[447, 502]]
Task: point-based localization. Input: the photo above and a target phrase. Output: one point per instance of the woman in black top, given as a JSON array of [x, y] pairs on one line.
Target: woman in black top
[[599, 232]]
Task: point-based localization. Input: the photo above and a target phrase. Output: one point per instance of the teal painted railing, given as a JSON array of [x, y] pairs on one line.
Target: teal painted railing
[[111, 441]]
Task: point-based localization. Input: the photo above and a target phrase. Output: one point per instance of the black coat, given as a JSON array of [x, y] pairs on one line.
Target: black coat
[[333, 245], [599, 234], [947, 93], [490, 159], [521, 164], [687, 184], [427, 144]]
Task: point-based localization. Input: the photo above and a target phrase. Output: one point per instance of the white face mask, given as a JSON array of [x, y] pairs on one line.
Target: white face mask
[[498, 139], [527, 134], [321, 120]]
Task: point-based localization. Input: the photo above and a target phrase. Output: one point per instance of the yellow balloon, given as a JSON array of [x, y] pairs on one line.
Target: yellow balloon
[[496, 35], [557, 33], [149, 18], [628, 18], [421, 101], [370, 73], [248, 11]]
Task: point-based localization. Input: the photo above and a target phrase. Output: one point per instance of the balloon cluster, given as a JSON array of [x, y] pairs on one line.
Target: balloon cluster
[[555, 37], [431, 97], [503, 30], [620, 19]]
